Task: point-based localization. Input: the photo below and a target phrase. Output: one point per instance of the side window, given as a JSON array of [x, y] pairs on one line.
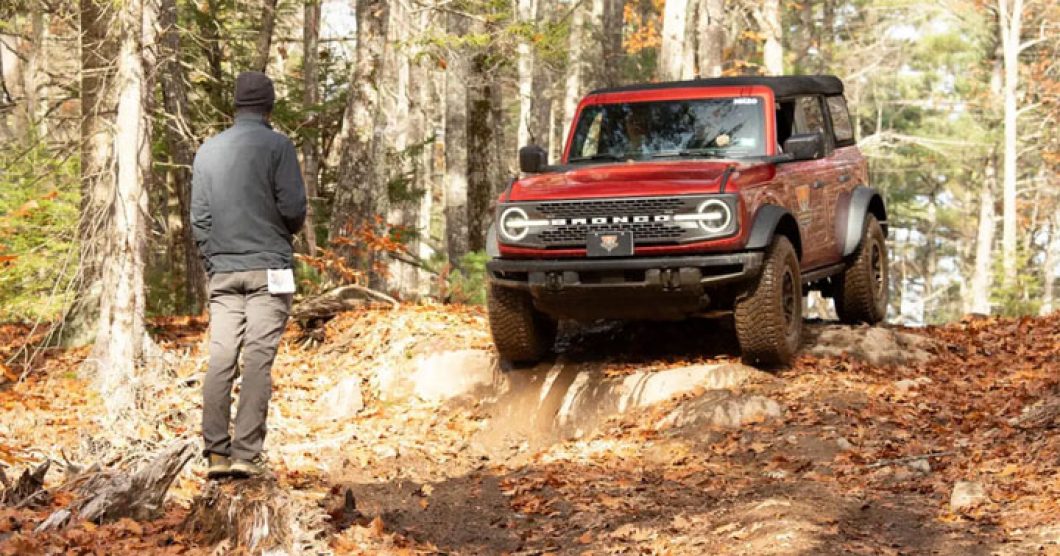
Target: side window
[[809, 117], [844, 131]]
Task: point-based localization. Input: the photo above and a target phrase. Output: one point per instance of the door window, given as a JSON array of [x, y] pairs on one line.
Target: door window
[[844, 131], [809, 117]]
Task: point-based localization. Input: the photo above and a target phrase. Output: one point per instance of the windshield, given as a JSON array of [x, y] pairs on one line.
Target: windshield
[[714, 128]]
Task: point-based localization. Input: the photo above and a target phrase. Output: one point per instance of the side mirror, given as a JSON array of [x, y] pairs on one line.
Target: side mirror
[[532, 159], [805, 146]]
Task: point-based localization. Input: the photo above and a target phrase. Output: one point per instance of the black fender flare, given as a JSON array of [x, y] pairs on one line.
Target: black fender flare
[[766, 221], [850, 217]]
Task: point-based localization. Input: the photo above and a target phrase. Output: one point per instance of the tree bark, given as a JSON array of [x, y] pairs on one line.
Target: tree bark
[[1052, 260], [672, 54], [482, 148], [711, 33], [456, 147], [99, 49], [526, 11], [575, 70], [984, 243], [769, 21], [264, 43], [310, 99], [121, 331], [1010, 18], [361, 199], [180, 141]]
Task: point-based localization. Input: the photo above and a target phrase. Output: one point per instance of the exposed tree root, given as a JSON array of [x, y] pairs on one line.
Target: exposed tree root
[[108, 495], [27, 489]]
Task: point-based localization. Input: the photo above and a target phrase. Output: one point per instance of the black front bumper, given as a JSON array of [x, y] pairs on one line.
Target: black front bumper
[[656, 288]]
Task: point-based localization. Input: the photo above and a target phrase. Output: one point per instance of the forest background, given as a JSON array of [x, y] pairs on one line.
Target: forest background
[[408, 115]]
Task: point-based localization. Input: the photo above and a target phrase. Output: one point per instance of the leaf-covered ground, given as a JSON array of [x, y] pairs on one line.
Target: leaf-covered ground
[[863, 458]]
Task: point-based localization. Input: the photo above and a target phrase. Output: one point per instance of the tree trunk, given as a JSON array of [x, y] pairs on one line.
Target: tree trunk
[[36, 101], [206, 21], [1052, 260], [180, 141], [984, 242], [361, 201], [711, 33], [526, 11], [769, 21], [611, 27], [99, 49], [672, 54], [482, 148], [264, 43], [120, 339], [456, 146], [575, 70], [310, 99], [1010, 21]]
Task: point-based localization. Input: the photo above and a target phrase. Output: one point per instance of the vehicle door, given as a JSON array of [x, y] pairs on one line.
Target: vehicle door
[[812, 181], [849, 165]]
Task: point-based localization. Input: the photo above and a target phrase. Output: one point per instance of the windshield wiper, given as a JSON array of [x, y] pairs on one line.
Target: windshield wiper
[[598, 156], [704, 152]]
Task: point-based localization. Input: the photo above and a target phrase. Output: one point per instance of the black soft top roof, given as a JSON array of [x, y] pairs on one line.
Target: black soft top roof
[[783, 86]]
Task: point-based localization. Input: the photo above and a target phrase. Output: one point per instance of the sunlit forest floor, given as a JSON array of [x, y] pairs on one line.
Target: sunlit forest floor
[[387, 447]]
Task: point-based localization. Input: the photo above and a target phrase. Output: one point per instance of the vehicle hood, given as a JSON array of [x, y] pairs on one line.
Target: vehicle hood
[[629, 179]]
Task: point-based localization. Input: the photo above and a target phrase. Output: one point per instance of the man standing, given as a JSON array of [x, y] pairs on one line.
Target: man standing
[[248, 200]]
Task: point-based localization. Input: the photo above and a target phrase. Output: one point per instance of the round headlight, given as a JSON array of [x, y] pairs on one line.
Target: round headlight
[[715, 216], [513, 224]]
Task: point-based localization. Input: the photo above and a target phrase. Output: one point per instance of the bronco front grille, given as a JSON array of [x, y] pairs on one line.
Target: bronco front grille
[[643, 232], [611, 207], [568, 223]]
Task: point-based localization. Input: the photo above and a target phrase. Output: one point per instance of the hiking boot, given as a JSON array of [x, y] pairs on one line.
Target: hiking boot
[[218, 466], [243, 469]]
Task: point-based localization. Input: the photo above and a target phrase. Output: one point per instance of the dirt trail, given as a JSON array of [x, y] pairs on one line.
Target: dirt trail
[[648, 438]]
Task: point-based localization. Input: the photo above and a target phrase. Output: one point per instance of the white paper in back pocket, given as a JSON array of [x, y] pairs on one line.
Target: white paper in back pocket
[[281, 281]]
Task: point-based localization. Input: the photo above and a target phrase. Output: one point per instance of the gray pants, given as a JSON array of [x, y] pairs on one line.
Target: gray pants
[[243, 315]]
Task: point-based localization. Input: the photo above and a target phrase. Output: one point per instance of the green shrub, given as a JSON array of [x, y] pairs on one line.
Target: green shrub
[[39, 206]]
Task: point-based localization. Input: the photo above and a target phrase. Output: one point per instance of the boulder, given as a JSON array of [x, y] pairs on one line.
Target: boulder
[[342, 401], [967, 495]]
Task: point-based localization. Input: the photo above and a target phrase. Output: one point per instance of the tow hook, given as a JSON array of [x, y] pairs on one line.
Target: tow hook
[[670, 280], [554, 281]]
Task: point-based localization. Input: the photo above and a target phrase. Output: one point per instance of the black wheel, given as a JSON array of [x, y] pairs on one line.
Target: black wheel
[[768, 317], [861, 291], [521, 333]]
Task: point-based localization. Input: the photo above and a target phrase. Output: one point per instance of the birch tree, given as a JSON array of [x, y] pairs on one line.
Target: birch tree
[[710, 30], [526, 11], [984, 241], [310, 99], [456, 76], [1010, 19], [767, 13], [672, 54]]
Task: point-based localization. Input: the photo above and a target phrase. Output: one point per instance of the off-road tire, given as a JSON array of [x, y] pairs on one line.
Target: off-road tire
[[521, 333], [768, 318], [861, 291]]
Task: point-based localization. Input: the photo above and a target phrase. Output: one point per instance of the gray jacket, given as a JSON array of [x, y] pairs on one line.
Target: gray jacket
[[247, 198]]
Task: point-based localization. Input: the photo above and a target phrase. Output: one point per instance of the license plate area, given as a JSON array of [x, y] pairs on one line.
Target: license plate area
[[610, 244]]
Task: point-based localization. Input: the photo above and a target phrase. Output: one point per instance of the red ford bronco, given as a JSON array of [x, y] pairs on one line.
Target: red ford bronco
[[714, 197]]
